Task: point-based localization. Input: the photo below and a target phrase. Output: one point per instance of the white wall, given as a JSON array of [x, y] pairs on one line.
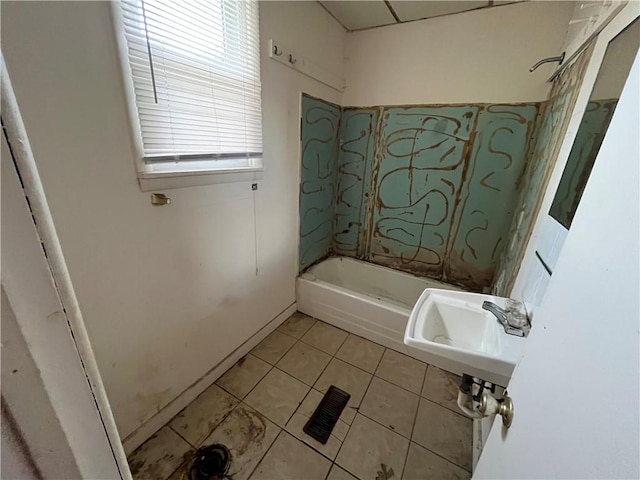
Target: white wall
[[576, 389], [531, 281], [166, 292], [472, 57]]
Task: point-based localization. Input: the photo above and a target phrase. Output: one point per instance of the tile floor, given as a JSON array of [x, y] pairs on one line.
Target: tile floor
[[402, 413]]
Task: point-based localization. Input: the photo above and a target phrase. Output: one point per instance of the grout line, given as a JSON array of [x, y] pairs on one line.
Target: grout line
[[271, 367], [387, 426], [178, 433], [448, 409], [448, 460], [299, 403], [282, 356], [266, 451], [304, 333], [440, 455], [424, 379], [384, 350]]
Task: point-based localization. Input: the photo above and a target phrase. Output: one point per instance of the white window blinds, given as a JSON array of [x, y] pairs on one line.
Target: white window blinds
[[196, 75]]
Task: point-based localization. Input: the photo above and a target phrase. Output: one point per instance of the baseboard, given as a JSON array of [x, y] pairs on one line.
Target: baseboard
[[151, 426]]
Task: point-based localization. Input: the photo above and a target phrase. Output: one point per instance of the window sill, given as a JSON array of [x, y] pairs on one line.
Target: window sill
[[164, 180]]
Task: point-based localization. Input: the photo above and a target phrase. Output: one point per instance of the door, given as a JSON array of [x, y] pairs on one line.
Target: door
[[576, 390], [51, 399]]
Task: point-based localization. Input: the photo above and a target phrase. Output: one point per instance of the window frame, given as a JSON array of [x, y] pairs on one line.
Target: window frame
[[183, 173]]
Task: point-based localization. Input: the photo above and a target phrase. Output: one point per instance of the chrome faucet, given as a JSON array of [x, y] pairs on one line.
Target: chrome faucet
[[513, 321]]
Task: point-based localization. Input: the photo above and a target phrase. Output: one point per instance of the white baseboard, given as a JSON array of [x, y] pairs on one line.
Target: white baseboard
[[151, 426]]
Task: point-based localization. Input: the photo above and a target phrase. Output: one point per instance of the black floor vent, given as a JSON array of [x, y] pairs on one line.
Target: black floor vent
[[321, 423]]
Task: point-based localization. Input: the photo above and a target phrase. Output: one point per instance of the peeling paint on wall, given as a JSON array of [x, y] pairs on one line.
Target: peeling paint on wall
[[550, 133], [428, 189]]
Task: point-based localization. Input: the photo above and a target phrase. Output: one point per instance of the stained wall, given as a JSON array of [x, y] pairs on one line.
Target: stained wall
[[424, 189], [551, 130], [167, 293]]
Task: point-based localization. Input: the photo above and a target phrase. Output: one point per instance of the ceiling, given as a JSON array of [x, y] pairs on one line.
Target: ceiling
[[356, 15]]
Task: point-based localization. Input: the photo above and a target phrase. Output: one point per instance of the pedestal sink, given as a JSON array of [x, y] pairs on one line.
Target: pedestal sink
[[451, 330]]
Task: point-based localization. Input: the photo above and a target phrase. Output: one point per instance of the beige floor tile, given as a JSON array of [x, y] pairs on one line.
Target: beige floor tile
[[444, 432], [248, 435], [391, 406], [273, 348], [441, 387], [401, 370], [425, 465], [204, 414], [299, 419], [182, 473], [338, 473], [160, 456], [369, 445], [325, 337], [243, 376], [361, 352], [348, 378], [297, 325], [290, 459], [277, 396], [304, 362]]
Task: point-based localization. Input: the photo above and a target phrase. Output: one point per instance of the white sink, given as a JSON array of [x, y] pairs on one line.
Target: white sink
[[450, 330]]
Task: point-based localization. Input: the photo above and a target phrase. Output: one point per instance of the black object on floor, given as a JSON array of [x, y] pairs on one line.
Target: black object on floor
[[210, 463], [321, 423]]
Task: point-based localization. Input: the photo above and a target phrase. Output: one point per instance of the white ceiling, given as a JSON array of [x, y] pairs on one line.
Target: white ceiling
[[356, 15]]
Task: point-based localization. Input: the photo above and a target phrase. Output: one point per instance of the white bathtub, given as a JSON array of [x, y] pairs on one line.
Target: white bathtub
[[362, 298]]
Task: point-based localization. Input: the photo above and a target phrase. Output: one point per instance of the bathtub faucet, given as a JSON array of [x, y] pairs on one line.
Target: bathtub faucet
[[512, 326]]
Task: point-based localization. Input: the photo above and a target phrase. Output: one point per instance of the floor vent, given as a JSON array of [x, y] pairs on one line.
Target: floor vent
[[321, 423]]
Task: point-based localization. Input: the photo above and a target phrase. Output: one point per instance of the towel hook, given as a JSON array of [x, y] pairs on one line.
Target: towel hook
[[276, 52], [292, 60]]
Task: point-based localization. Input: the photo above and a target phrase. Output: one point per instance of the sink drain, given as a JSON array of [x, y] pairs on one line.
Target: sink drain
[[210, 463]]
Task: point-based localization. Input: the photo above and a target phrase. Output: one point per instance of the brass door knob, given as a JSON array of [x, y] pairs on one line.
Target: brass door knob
[[503, 407]]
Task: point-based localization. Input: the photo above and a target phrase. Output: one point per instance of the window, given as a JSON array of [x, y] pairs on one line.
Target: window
[[195, 67]]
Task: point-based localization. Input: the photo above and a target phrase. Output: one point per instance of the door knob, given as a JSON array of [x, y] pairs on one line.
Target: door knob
[[504, 407]]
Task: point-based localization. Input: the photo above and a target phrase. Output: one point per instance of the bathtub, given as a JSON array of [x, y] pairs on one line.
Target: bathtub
[[368, 300]]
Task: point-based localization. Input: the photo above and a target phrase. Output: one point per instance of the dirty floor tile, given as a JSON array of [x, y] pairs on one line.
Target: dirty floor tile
[[425, 465], [361, 352], [445, 433], [338, 473], [402, 370], [277, 396], [441, 387], [182, 473], [391, 406], [291, 459], [273, 348], [243, 376], [299, 419], [297, 325], [202, 415], [369, 445], [348, 378], [158, 457], [325, 337], [304, 362], [248, 435]]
